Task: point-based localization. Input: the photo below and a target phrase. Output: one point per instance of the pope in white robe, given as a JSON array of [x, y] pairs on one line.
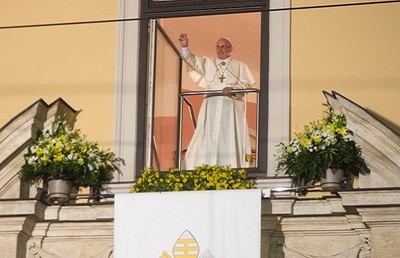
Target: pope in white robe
[[221, 136]]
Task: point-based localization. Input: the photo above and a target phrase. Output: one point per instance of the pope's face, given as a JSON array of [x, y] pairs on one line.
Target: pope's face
[[223, 48]]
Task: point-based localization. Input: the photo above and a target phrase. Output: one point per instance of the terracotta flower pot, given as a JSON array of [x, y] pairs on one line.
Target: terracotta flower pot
[[59, 190], [333, 179]]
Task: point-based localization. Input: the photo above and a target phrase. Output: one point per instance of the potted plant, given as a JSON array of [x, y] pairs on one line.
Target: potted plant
[[67, 156], [204, 177], [326, 145]]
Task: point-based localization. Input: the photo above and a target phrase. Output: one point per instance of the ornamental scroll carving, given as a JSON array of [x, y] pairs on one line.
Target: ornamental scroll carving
[[362, 250], [34, 251]]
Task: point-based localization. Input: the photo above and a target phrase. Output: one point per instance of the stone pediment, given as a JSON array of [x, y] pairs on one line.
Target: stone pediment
[[18, 133], [379, 139]]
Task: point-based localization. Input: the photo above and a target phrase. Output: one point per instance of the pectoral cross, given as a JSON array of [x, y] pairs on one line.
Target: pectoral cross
[[221, 78]]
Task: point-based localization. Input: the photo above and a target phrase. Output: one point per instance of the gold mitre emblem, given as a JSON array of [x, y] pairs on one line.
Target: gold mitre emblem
[[185, 247]]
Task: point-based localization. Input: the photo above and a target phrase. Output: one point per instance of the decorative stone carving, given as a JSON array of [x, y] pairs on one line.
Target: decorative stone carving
[[379, 139], [35, 251], [360, 250], [17, 134]]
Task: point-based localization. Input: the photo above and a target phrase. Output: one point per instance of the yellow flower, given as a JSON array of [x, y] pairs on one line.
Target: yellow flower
[[305, 142], [81, 161], [204, 178], [316, 138], [342, 131], [45, 158], [58, 157], [39, 151], [331, 128]]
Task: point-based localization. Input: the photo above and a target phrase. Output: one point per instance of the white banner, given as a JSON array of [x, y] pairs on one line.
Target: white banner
[[203, 224]]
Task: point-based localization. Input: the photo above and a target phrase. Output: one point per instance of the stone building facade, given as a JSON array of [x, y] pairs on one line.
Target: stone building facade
[[359, 222]]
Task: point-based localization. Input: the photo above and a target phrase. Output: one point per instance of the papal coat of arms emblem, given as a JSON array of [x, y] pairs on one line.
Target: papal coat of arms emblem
[[187, 247]]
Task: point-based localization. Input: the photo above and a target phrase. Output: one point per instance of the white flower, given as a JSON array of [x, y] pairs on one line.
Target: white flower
[[32, 160], [33, 149], [348, 137]]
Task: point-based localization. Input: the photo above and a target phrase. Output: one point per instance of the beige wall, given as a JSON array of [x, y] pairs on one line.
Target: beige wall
[[352, 50], [75, 62]]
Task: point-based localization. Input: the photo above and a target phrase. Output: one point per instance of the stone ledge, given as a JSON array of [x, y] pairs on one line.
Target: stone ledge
[[319, 225], [15, 207], [81, 229], [296, 206], [381, 216], [371, 197], [80, 213]]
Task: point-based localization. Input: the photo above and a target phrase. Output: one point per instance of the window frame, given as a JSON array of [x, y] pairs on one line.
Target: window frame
[[261, 170], [181, 8]]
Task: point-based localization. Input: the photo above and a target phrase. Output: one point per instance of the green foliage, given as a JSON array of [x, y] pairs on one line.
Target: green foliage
[[204, 177], [324, 143], [66, 154]]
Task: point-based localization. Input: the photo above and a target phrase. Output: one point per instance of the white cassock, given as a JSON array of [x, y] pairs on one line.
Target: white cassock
[[221, 137]]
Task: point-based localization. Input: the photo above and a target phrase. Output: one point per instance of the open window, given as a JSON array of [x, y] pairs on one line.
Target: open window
[[250, 35], [172, 111]]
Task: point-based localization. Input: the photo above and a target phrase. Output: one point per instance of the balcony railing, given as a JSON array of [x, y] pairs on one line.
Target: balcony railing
[[183, 100]]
